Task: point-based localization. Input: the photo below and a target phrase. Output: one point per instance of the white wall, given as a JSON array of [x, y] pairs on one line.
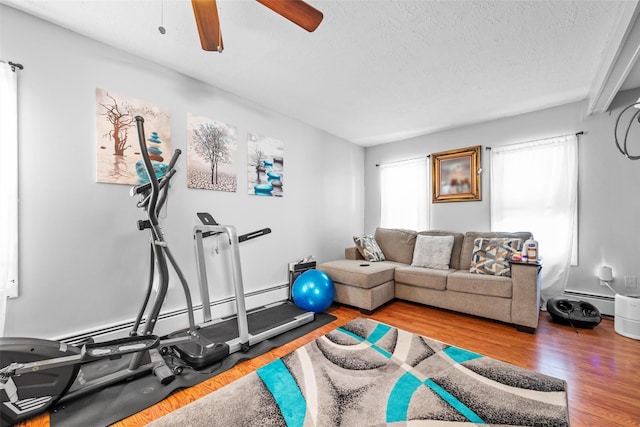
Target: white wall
[[609, 199], [83, 264]]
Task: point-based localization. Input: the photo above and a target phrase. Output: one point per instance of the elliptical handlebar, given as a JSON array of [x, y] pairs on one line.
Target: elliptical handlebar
[[166, 178], [142, 188], [153, 180], [174, 159], [153, 198]]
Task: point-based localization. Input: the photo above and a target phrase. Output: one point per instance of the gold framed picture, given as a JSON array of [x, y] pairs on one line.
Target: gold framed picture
[[455, 175]]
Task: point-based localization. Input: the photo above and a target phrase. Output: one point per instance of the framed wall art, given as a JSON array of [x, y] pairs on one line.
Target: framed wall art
[[118, 158], [212, 148], [454, 175], [265, 166]]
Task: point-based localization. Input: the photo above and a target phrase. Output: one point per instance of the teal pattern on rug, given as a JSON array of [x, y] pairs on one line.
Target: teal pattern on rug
[[451, 400], [379, 332], [400, 398], [460, 355], [284, 389]]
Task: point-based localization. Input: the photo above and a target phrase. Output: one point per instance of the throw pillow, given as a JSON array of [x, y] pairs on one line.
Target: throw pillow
[[368, 248], [432, 252], [491, 256]]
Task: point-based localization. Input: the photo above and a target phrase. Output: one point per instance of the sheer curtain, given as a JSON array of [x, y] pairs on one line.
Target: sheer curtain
[[403, 194], [534, 187], [8, 187]]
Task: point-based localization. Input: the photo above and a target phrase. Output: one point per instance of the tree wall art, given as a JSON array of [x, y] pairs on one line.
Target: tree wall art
[[211, 154], [118, 151]]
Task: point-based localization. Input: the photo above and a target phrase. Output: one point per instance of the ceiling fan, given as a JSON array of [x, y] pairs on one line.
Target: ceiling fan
[[206, 13]]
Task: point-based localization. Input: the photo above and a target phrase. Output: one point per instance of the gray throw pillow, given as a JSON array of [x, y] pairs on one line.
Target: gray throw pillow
[[432, 252]]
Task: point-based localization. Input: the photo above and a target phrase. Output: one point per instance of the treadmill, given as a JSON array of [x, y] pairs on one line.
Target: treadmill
[[243, 330]]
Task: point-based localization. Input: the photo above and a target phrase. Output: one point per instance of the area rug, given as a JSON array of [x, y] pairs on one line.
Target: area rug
[[367, 373]]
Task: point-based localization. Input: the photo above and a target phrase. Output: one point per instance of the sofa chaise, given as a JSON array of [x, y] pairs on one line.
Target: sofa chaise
[[469, 273]]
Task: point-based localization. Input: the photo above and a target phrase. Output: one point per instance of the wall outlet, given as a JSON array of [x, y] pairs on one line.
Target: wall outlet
[[630, 282]]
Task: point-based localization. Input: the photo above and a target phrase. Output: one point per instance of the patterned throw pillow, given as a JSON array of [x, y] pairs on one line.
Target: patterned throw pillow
[[491, 256], [368, 248]]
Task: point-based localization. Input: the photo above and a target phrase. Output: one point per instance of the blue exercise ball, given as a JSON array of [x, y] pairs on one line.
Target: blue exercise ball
[[313, 291]]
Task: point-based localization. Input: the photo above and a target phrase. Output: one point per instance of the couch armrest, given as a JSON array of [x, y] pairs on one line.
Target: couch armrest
[[352, 253], [525, 303]]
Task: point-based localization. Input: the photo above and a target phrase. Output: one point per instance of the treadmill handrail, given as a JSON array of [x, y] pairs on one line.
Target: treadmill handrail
[[253, 234], [199, 232], [241, 238]]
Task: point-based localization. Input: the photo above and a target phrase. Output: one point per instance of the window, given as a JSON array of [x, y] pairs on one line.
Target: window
[[534, 187], [8, 187], [403, 195]]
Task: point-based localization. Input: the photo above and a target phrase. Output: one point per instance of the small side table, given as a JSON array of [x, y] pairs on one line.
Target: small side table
[[537, 263]]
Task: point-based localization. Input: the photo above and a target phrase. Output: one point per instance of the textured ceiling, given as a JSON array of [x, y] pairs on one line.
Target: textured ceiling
[[375, 70]]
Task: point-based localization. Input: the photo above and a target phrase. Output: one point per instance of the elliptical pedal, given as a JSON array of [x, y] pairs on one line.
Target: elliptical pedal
[[116, 348], [160, 368]]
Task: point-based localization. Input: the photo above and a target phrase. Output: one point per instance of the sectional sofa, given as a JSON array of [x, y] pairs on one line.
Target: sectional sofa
[[470, 273]]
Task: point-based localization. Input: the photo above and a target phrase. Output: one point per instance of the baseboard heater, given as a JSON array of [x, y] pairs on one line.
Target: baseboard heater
[[168, 321], [604, 303]]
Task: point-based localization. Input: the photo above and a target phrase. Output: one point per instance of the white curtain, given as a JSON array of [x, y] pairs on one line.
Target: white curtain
[[403, 195], [534, 187], [8, 187]]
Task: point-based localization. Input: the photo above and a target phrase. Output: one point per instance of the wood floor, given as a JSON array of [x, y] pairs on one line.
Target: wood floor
[[601, 367]]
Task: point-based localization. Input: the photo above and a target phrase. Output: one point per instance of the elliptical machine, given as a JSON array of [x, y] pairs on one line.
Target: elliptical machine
[[37, 373], [153, 197]]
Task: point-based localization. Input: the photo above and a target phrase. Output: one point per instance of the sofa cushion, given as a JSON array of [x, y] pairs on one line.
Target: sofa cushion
[[458, 238], [368, 248], [470, 237], [432, 252], [396, 244], [359, 273], [491, 256], [480, 284], [352, 252], [423, 277]]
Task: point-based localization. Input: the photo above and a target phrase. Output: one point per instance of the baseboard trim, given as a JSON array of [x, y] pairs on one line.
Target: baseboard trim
[[604, 303], [173, 320]]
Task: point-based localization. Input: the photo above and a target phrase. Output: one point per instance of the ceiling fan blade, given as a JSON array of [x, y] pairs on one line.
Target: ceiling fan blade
[[206, 13], [296, 11]]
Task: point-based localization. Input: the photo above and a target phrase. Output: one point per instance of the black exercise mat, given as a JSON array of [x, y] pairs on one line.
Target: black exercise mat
[[122, 400]]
